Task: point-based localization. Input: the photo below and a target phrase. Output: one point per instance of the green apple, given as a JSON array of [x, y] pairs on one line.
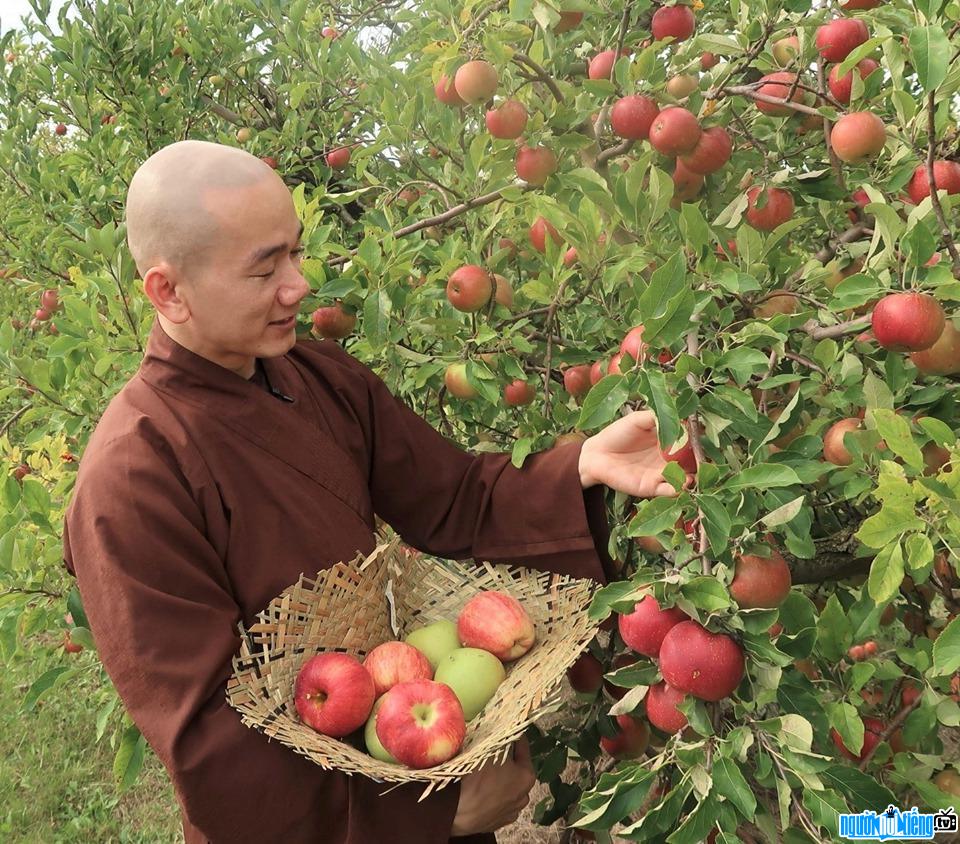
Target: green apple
[[474, 676], [374, 747], [435, 640]]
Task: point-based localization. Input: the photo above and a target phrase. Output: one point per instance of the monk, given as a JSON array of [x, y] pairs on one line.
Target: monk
[[238, 457]]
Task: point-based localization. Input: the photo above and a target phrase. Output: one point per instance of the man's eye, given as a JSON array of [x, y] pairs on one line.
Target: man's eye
[[297, 252]]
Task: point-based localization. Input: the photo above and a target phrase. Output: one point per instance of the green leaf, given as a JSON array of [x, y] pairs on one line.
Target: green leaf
[[40, 687], [603, 402], [717, 522], [521, 449], [862, 790], [895, 518], [766, 475], [129, 758], [886, 573], [931, 52], [729, 782], [706, 593], [946, 649], [654, 388], [75, 608], [846, 721], [895, 431], [785, 513], [919, 551], [654, 516]]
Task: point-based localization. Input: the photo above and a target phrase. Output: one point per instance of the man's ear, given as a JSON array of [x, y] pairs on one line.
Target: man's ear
[[164, 288]]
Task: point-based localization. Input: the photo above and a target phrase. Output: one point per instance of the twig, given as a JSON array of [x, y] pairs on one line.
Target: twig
[[749, 92], [804, 361], [888, 731], [542, 75], [693, 433], [14, 418], [934, 199], [822, 332]]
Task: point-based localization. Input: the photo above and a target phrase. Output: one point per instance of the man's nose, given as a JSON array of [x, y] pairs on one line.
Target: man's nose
[[295, 290]]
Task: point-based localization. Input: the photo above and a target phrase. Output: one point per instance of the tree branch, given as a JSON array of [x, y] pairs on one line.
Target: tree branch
[[945, 232]]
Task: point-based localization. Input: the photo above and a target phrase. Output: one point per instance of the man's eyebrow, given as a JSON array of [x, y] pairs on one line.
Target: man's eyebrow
[[269, 251]]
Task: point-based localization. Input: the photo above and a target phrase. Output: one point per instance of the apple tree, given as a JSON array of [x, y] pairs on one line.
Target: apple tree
[[531, 217]]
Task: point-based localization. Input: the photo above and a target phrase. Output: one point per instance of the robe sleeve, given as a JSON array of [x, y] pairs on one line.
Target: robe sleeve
[[453, 504], [164, 620]]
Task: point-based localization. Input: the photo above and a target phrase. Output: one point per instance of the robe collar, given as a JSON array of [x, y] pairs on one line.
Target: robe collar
[[290, 430]]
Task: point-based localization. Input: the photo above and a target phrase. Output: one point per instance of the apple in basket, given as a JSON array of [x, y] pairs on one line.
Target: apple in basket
[[474, 675], [496, 622], [334, 694], [420, 723], [435, 640], [396, 662]]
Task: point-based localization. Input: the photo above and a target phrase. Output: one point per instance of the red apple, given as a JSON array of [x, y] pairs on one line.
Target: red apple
[[396, 662], [908, 322], [945, 173], [508, 120], [334, 694], [503, 293], [21, 471], [455, 379], [943, 357], [686, 183], [270, 161], [674, 131], [496, 622], [662, 701], [842, 86], [597, 371], [779, 85], [835, 40], [778, 208], [49, 300], [785, 50], [602, 64], [338, 158], [333, 322], [683, 455], [677, 22], [446, 92], [570, 257], [61, 129], [421, 724], [469, 288], [780, 302], [518, 393], [568, 20], [41, 314], [909, 694], [631, 117], [538, 234], [535, 164], [643, 629], [633, 345], [712, 151], [858, 136], [708, 60], [69, 645], [476, 82], [631, 740], [834, 450], [853, 5], [576, 380], [760, 582], [707, 665], [329, 32], [586, 674]]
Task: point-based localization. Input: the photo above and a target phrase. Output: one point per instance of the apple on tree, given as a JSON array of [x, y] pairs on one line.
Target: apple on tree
[[760, 581], [586, 674], [631, 740], [908, 322], [508, 120], [662, 701], [644, 629], [535, 164], [677, 22], [332, 322], [538, 234], [706, 665], [469, 288], [476, 82]]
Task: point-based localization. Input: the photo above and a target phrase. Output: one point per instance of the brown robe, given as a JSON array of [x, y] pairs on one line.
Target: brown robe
[[201, 496]]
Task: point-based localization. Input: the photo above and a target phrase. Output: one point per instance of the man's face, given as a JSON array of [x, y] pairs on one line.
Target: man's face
[[251, 281]]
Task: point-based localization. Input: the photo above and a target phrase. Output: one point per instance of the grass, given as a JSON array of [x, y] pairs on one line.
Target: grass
[[56, 780]]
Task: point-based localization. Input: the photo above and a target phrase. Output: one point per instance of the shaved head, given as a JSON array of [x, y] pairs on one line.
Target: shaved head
[[179, 203]]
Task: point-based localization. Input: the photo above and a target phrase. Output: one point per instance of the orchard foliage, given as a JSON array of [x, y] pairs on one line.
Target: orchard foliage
[[680, 175]]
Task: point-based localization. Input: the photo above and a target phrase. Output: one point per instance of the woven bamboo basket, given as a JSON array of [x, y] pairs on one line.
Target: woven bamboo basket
[[354, 606]]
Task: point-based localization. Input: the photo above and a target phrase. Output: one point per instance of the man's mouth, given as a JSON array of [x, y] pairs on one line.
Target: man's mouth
[[284, 322]]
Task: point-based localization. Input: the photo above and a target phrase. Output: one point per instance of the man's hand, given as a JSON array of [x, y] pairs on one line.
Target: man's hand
[[625, 456], [495, 795]]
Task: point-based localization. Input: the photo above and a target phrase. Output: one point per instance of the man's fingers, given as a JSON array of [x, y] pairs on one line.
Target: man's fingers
[[644, 419], [521, 752]]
